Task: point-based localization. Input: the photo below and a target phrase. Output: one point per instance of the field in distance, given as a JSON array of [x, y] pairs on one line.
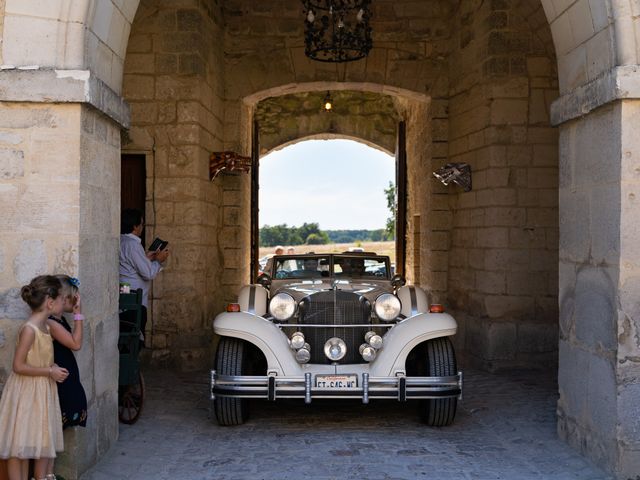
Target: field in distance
[[381, 248]]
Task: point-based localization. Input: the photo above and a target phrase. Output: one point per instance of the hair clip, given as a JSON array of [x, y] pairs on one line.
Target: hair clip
[[74, 282]]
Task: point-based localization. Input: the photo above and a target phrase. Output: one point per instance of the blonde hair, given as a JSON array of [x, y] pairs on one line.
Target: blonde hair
[[68, 290]]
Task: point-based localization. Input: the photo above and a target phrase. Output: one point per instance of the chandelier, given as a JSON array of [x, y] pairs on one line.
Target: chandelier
[[337, 30]]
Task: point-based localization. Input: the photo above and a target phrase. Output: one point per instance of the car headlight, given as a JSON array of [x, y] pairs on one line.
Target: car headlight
[[303, 355], [387, 307], [368, 352], [297, 340], [282, 307], [373, 339], [335, 349]]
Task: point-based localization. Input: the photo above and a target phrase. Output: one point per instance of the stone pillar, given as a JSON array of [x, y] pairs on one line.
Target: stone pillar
[[60, 202], [599, 373]]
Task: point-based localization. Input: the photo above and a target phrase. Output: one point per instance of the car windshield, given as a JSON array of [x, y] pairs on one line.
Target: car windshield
[[359, 267], [302, 267], [318, 266]]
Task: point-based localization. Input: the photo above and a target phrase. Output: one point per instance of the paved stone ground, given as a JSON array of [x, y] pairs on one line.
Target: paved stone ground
[[505, 429]]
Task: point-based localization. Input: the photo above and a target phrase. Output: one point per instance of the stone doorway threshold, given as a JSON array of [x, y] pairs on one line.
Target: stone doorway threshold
[[505, 429]]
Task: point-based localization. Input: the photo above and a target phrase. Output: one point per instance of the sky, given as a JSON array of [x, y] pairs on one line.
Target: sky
[[338, 184]]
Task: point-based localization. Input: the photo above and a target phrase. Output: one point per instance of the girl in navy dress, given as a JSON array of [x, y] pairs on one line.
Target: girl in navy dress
[[73, 400]]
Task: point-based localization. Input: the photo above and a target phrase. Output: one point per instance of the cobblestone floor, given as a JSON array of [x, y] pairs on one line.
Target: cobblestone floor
[[505, 429]]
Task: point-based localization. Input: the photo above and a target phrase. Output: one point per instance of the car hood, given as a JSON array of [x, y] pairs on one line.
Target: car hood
[[368, 289]]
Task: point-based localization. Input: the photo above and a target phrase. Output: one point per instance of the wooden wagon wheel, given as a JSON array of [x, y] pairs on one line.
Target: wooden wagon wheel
[[130, 401]]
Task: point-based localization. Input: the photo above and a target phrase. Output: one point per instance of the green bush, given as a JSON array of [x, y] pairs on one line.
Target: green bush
[[317, 239]]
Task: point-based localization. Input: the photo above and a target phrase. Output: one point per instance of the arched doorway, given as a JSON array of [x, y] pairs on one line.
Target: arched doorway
[[339, 186], [373, 115]]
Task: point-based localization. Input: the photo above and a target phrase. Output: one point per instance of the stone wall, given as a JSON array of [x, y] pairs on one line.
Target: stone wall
[[364, 116], [410, 44], [419, 202], [585, 40], [428, 213], [60, 215], [55, 34], [627, 318], [503, 257], [2, 13], [173, 82]]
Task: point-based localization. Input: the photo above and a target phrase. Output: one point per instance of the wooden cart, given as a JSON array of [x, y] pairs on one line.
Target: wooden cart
[[130, 379]]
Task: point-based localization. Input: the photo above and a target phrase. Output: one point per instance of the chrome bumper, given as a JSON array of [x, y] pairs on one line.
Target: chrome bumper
[[272, 387]]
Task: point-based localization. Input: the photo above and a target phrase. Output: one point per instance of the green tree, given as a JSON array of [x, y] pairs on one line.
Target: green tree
[[272, 235], [392, 205], [317, 239], [377, 235], [343, 239], [307, 229], [276, 235]]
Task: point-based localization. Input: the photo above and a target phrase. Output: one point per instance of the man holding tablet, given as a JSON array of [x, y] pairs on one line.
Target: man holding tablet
[[138, 268]]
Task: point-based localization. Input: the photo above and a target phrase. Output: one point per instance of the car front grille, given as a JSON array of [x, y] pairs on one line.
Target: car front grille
[[335, 307]]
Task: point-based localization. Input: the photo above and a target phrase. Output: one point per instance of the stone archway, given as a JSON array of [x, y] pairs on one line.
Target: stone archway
[[70, 111], [371, 113]]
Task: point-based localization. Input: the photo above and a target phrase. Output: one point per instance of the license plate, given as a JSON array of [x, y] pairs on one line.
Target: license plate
[[337, 381]]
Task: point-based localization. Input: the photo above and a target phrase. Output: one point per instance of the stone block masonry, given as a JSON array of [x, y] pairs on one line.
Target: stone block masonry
[[173, 82], [504, 258], [60, 217]]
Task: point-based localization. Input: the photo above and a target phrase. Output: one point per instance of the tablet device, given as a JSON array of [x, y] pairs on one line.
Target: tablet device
[[158, 244]]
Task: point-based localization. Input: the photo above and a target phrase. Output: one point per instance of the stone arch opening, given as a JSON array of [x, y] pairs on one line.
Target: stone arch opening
[[364, 110], [328, 136], [337, 183], [364, 116]]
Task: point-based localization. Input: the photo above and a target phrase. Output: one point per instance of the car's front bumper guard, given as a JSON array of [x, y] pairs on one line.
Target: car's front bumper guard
[[401, 388]]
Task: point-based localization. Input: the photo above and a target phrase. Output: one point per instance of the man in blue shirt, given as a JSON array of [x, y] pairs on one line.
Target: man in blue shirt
[[138, 268]]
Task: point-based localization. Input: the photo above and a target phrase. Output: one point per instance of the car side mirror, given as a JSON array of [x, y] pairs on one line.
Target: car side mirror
[[264, 279], [398, 281]]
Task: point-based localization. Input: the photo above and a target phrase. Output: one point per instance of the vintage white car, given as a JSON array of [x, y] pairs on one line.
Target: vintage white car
[[335, 326]]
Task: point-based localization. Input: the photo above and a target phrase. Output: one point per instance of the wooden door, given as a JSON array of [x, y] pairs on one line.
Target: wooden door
[[401, 192], [133, 178], [255, 185]]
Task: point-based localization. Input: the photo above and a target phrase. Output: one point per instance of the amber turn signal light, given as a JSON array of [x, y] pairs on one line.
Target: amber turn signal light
[[233, 307], [436, 308]]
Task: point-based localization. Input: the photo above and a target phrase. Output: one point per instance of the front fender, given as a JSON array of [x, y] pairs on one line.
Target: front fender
[[273, 343], [403, 337]]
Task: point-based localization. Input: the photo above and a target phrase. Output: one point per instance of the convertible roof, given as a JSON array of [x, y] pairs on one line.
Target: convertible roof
[[340, 254]]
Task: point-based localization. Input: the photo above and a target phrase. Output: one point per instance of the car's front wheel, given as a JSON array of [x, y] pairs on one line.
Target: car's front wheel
[[441, 362], [231, 359]]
